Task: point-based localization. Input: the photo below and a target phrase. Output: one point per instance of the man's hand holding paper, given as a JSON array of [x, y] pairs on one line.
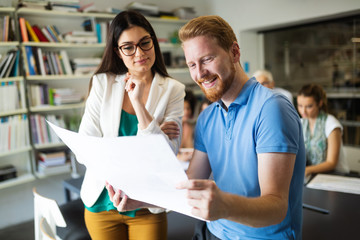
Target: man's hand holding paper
[[148, 173]]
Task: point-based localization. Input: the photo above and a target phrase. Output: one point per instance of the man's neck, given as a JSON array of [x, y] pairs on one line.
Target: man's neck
[[240, 79]]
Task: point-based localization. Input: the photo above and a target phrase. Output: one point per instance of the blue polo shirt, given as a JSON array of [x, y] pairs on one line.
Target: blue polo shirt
[[258, 121]]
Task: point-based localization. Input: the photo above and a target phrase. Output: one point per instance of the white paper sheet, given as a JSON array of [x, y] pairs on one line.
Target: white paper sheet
[[335, 183], [144, 167]]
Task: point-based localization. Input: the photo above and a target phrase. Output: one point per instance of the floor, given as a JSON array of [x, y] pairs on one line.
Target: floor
[[16, 202], [17, 211]]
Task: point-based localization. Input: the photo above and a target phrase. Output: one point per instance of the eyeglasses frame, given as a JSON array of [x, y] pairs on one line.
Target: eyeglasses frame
[[137, 45]]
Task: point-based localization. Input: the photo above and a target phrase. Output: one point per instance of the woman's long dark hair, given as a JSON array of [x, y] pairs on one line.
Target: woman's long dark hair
[[111, 62]]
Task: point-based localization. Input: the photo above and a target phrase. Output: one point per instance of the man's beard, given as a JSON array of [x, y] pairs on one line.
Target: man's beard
[[222, 86]]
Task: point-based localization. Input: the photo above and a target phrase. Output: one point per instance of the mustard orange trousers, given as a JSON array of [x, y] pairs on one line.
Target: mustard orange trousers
[[110, 225]]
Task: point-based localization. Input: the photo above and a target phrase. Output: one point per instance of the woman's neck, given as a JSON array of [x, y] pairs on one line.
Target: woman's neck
[[146, 77]]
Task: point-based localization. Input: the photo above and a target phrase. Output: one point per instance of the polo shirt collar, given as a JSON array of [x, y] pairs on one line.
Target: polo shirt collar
[[243, 96]]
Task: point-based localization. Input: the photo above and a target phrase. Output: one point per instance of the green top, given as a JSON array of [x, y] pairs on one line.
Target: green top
[[128, 127]]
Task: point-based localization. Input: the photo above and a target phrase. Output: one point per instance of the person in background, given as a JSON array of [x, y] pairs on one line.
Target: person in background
[[249, 138], [322, 132], [204, 104], [188, 122], [130, 94], [266, 79]]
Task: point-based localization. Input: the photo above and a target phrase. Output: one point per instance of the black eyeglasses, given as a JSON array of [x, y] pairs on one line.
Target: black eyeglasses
[[129, 49]]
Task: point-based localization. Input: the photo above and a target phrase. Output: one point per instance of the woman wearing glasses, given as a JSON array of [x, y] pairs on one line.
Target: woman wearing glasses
[[130, 94]]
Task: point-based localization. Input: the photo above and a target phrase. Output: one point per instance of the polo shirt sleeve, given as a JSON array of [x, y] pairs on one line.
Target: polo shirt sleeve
[[198, 137], [278, 127]]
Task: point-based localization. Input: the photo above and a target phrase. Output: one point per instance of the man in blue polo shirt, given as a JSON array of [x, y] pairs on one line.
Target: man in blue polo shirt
[[250, 139]]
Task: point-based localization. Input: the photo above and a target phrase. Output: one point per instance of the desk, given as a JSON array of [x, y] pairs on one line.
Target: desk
[[341, 223], [72, 185]]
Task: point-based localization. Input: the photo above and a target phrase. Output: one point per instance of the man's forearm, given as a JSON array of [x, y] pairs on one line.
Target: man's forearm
[[255, 212]]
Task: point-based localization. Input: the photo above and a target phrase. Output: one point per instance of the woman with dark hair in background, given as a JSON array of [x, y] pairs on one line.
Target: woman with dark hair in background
[[322, 132], [130, 94]]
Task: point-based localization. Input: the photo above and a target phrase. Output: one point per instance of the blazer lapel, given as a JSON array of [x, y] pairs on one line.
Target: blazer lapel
[[156, 91], [117, 95]]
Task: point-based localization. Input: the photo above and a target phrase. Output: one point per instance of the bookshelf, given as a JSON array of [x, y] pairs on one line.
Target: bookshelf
[[25, 158], [15, 149]]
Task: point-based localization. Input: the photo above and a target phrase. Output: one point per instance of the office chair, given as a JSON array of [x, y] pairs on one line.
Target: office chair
[[60, 223]]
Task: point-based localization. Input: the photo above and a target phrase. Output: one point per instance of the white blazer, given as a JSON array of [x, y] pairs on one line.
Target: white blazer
[[103, 111]]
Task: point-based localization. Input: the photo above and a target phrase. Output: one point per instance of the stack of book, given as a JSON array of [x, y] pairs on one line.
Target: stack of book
[[66, 96], [80, 37], [85, 65], [52, 162]]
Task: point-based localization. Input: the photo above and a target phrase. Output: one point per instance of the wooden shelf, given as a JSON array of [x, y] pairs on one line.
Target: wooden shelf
[[12, 79], [51, 13], [9, 44], [57, 77], [99, 15], [62, 45], [13, 112], [13, 152], [48, 108], [49, 145], [18, 180]]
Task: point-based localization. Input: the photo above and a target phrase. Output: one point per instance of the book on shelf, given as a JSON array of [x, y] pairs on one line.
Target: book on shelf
[[39, 34], [23, 31], [44, 63], [7, 63], [49, 170], [31, 32], [66, 96], [14, 131], [40, 132], [85, 65], [7, 29], [15, 69], [9, 97], [81, 39], [31, 67], [52, 158]]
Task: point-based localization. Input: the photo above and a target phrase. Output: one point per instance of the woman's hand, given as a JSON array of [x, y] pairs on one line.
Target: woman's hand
[[171, 129], [134, 87], [122, 203]]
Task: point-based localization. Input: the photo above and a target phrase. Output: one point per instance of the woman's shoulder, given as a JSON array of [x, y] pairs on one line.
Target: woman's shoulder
[[331, 124], [332, 119]]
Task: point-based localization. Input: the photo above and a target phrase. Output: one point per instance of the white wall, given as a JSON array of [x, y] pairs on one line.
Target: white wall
[[201, 6], [248, 16]]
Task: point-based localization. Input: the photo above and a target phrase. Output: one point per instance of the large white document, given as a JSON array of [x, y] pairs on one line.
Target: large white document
[[335, 183], [144, 167]]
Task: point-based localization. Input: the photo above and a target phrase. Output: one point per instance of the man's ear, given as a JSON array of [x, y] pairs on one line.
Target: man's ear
[[235, 51]]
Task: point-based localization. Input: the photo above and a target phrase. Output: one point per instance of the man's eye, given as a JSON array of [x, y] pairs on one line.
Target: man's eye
[[207, 60], [192, 65]]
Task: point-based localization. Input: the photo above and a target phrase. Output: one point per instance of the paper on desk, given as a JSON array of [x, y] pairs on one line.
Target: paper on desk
[[335, 183], [144, 167]]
